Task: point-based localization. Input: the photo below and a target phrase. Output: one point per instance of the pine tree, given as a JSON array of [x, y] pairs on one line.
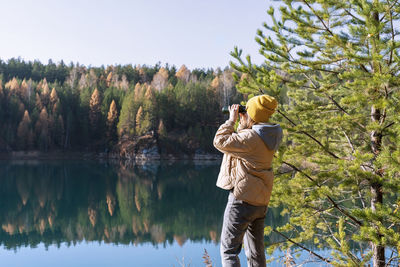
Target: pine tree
[[42, 130], [54, 101], [339, 63], [24, 132], [139, 119], [112, 113], [160, 79], [138, 91], [183, 74], [45, 93], [109, 78], [126, 124], [13, 85], [124, 83], [112, 117], [38, 104], [24, 90], [162, 131], [53, 97], [59, 131], [95, 112]]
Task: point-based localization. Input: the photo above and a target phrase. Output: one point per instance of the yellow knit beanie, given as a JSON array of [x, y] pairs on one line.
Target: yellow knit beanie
[[261, 107]]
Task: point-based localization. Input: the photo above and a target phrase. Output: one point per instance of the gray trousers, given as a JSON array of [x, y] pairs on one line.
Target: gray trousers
[[243, 222]]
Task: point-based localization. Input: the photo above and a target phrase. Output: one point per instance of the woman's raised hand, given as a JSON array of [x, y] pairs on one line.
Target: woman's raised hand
[[234, 112]]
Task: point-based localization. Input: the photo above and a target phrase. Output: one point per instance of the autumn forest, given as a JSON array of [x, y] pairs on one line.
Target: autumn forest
[[119, 109]]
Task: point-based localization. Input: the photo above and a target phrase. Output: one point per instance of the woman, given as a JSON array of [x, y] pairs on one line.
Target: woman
[[246, 170]]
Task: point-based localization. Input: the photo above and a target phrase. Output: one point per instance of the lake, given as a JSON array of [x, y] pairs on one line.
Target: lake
[[89, 213]]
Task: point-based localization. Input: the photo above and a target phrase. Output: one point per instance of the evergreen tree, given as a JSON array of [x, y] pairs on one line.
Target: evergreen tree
[[42, 130], [183, 74], [139, 119], [95, 113], [45, 93], [13, 85], [53, 98], [339, 62], [126, 124], [161, 131], [59, 132], [109, 78], [160, 80], [24, 132], [38, 104], [112, 117]]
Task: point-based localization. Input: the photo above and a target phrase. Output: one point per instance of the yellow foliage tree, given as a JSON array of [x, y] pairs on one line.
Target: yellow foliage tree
[[109, 78], [183, 74], [112, 117], [42, 129], [13, 85], [95, 112], [160, 79], [54, 100], [139, 118], [24, 132]]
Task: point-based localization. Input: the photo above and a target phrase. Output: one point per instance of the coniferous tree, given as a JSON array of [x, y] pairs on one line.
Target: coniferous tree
[[126, 124], [45, 93], [59, 132], [124, 83], [38, 104], [161, 131], [24, 132], [109, 78], [112, 117], [53, 98], [138, 91], [183, 74], [95, 112], [24, 91], [160, 80], [139, 119], [42, 130], [13, 86], [339, 63]]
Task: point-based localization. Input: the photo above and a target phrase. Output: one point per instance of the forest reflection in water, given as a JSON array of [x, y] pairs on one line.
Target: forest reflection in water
[[55, 202]]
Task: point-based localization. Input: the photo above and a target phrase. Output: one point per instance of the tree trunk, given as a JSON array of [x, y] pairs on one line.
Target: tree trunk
[[379, 250], [376, 189]]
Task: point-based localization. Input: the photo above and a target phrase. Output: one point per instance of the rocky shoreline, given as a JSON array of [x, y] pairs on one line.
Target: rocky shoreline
[[141, 149], [142, 156]]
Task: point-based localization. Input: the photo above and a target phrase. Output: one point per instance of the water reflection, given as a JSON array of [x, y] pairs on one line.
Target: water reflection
[[68, 202]]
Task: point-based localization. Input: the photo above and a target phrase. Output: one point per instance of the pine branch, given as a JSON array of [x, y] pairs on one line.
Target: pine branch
[[364, 68], [351, 255], [354, 17], [390, 8], [309, 135], [349, 142], [320, 19], [330, 230], [341, 210], [343, 110], [301, 246]]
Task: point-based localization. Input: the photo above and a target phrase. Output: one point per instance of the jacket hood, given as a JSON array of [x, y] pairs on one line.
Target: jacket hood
[[271, 134]]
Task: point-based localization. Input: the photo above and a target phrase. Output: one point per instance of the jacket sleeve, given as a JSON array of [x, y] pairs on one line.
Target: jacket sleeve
[[228, 141]]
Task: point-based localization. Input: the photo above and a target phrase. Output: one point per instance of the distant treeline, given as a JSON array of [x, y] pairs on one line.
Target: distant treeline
[[74, 107]]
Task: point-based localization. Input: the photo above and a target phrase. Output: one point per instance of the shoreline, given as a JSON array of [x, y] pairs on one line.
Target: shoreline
[[79, 155]]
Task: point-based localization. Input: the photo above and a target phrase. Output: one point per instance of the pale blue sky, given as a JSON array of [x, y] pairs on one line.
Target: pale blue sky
[[197, 33]]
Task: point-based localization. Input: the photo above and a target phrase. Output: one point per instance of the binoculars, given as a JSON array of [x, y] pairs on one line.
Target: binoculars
[[242, 109]]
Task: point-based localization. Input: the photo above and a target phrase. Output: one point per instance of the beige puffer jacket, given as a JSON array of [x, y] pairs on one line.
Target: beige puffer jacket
[[246, 164]]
